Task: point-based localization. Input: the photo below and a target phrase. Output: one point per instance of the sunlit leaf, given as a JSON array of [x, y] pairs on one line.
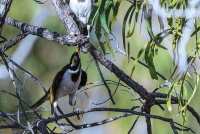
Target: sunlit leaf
[[169, 104]]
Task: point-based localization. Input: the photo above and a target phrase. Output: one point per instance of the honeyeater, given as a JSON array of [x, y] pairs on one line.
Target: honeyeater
[[82, 9], [66, 82]]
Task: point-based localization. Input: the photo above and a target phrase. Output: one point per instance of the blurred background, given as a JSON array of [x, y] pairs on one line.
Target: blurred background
[[44, 58]]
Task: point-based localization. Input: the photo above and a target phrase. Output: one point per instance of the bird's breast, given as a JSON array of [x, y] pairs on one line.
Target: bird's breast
[[82, 9], [67, 86]]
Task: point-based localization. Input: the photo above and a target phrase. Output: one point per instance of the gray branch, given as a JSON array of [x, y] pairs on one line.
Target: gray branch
[[4, 8], [69, 39]]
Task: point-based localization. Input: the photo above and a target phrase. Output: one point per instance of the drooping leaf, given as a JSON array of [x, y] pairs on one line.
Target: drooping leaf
[[149, 57], [104, 23], [124, 25], [169, 103], [116, 8], [131, 31]]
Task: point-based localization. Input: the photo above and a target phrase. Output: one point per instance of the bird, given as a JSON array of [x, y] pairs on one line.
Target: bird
[[82, 9], [66, 82]]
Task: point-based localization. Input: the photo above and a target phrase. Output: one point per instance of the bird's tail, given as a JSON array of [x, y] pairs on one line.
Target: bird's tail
[[41, 100]]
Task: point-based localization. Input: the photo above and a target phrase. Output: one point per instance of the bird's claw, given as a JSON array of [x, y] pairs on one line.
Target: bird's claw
[[78, 112]]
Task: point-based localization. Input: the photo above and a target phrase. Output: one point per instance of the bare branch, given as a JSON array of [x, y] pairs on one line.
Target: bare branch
[[106, 85], [41, 124], [64, 13], [13, 41], [134, 123], [4, 8], [45, 33], [194, 113], [119, 73]]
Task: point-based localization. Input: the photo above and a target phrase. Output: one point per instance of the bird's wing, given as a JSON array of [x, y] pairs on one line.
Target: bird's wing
[[56, 81], [83, 79]]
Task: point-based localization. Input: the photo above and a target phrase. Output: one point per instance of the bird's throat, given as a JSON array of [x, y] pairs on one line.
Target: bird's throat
[[74, 69]]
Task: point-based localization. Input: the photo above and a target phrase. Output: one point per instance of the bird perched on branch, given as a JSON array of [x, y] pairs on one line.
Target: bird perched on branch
[[82, 10], [66, 82]]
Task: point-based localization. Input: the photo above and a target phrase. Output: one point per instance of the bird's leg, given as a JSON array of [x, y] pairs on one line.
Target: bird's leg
[[88, 31], [53, 110], [66, 118], [77, 111]]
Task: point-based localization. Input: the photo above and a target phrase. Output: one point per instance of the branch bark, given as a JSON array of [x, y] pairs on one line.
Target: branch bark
[[70, 39], [4, 8], [128, 112], [64, 12]]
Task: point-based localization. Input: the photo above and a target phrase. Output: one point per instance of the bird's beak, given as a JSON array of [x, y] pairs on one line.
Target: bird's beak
[[78, 50]]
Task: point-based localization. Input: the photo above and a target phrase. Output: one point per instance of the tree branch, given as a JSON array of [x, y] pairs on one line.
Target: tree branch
[[4, 8], [119, 73], [64, 12], [41, 124], [71, 40]]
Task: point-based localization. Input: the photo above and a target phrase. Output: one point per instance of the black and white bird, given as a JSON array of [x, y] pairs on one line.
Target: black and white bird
[[66, 82], [82, 9]]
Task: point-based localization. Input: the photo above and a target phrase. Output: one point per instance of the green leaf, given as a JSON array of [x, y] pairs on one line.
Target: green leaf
[[192, 96], [169, 104], [130, 23], [124, 25], [129, 51], [104, 23], [149, 56], [116, 8], [141, 51]]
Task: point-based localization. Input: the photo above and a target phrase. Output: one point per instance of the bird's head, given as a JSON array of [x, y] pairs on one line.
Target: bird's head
[[75, 62]]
